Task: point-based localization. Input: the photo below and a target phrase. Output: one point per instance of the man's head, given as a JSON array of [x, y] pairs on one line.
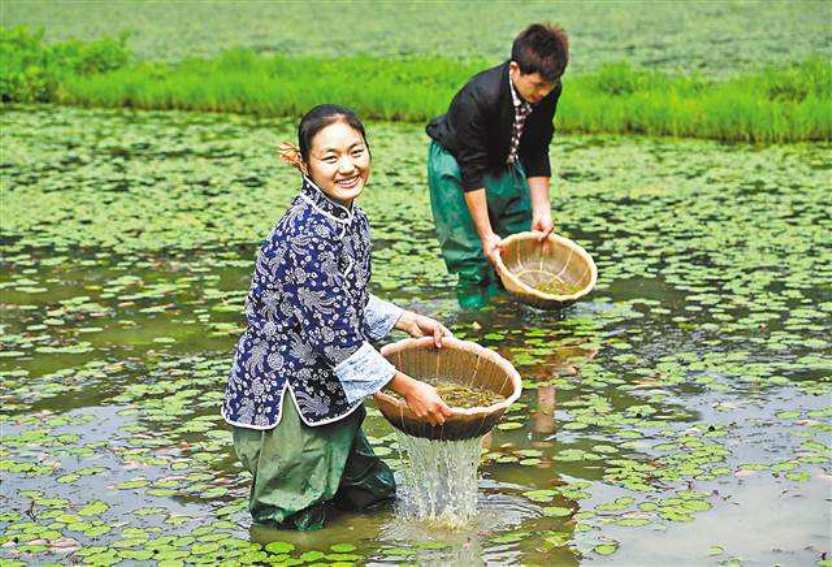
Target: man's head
[[538, 59]]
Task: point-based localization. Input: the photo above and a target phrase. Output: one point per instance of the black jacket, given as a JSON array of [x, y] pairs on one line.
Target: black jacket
[[477, 128]]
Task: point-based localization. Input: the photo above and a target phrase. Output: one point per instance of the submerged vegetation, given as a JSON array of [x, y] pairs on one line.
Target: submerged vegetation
[[459, 395], [557, 286], [689, 392], [777, 104]]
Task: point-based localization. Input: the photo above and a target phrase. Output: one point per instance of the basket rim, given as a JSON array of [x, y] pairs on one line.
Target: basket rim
[[457, 344], [503, 270]]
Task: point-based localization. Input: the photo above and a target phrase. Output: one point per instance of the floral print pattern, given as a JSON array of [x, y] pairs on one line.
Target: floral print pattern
[[309, 319]]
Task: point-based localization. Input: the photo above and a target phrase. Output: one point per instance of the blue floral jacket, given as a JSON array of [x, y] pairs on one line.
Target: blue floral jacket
[[310, 319]]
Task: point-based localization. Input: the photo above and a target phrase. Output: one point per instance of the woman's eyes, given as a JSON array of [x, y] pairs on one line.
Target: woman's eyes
[[356, 153]]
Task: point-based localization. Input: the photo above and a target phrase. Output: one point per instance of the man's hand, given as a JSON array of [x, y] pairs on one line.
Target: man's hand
[[542, 223], [541, 207], [478, 207], [420, 326], [491, 248]]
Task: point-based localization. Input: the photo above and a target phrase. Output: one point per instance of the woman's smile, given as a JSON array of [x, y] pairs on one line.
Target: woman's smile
[[348, 182]]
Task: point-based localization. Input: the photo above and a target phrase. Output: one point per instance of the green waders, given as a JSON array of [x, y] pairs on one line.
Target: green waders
[[299, 471], [509, 208]]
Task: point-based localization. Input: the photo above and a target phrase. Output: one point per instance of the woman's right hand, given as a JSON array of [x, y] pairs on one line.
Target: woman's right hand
[[425, 403], [422, 399]]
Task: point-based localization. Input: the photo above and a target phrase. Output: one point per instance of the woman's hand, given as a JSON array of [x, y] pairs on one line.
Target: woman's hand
[[420, 326], [422, 399], [425, 403]]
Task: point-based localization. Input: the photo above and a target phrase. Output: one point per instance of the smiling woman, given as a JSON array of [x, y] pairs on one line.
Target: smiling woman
[[334, 152], [304, 365]]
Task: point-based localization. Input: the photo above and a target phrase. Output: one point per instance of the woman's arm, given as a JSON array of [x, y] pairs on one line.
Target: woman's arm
[[380, 317]]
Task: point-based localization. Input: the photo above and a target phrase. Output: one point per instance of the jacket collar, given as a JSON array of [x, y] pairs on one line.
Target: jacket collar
[[313, 195]]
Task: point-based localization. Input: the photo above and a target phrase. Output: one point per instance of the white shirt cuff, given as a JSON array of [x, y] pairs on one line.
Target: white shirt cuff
[[364, 373], [380, 317]]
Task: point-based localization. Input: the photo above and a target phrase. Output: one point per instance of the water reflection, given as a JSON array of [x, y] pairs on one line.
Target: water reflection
[[543, 418]]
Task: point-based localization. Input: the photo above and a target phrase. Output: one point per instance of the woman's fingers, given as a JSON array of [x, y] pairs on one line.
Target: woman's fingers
[[440, 412], [426, 404], [436, 414], [437, 336], [427, 414]]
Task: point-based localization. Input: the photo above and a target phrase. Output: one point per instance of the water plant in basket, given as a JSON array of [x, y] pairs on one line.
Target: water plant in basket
[[477, 383], [551, 274]]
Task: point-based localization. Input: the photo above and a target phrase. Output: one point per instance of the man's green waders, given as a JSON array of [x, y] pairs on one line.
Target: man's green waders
[[509, 208], [299, 470]]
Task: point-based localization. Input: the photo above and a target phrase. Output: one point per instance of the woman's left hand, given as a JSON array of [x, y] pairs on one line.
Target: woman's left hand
[[420, 326]]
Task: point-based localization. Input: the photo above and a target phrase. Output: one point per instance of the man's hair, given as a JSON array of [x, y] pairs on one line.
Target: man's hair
[[541, 48]]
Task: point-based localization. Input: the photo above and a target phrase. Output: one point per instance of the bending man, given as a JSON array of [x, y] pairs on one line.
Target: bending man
[[488, 162]]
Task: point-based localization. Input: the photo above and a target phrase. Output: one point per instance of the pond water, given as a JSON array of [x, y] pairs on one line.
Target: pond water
[[680, 413]]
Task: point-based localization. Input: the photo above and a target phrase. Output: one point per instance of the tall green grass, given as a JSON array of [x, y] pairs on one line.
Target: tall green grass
[[773, 105], [32, 71]]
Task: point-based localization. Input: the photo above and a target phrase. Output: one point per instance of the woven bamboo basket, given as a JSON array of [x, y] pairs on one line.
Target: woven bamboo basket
[[526, 263], [459, 361]]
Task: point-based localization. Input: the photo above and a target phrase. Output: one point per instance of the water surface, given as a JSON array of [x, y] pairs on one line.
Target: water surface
[[679, 414]]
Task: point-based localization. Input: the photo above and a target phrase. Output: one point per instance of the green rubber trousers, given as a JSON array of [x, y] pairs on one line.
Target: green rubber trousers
[[300, 471], [509, 208]]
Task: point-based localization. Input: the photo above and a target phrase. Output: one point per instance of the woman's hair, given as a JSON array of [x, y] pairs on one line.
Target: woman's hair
[[541, 48], [313, 122]]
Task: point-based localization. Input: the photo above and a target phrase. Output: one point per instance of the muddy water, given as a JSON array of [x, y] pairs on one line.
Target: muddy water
[[681, 413]]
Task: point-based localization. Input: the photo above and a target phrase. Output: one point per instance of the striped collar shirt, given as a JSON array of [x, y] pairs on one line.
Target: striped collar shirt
[[522, 109]]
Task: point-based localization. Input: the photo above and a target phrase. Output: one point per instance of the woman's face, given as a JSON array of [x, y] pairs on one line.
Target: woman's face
[[339, 162]]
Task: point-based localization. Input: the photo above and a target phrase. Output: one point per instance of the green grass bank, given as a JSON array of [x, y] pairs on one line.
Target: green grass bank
[[775, 104]]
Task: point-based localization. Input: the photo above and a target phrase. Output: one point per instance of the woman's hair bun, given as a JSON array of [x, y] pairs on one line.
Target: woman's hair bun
[[290, 153]]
